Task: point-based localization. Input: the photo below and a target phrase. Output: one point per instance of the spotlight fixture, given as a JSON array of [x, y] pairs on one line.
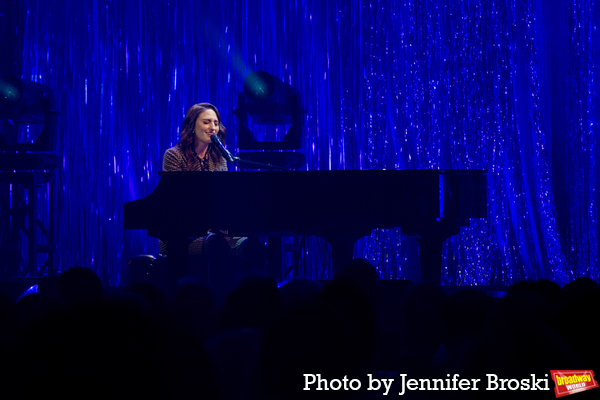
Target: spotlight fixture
[[27, 102], [28, 163], [23, 103], [11, 90], [269, 101]]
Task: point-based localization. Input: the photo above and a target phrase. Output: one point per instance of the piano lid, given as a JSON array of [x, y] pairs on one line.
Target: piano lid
[[313, 202]]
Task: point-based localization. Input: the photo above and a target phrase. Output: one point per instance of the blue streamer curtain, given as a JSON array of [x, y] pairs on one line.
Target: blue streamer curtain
[[432, 84]]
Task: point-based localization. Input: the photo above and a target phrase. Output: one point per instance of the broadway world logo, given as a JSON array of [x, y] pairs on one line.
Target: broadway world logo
[[569, 382]]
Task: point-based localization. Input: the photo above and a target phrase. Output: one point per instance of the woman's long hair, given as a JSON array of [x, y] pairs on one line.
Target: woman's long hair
[[186, 142]]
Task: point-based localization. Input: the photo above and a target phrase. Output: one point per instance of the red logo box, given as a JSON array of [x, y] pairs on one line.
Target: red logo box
[[571, 381]]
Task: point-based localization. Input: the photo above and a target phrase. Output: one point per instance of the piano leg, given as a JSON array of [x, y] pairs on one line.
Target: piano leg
[[430, 253], [342, 248], [274, 256], [341, 253], [431, 243]]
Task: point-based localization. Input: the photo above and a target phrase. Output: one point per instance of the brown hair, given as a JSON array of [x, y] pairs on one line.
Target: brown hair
[[186, 142]]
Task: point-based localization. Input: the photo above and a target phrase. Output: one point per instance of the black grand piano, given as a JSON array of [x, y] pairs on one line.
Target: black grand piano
[[340, 206]]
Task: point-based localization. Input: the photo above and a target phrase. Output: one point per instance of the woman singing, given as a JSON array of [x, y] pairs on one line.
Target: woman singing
[[195, 152]]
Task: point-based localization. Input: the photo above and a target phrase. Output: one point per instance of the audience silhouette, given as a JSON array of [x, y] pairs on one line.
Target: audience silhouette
[[76, 339]]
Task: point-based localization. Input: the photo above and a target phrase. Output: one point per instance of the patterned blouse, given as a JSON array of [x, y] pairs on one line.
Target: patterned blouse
[[175, 160]]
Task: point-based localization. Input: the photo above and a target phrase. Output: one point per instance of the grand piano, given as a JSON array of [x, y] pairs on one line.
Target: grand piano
[[340, 206]]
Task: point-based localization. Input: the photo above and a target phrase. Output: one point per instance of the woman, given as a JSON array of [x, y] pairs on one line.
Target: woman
[[195, 152]]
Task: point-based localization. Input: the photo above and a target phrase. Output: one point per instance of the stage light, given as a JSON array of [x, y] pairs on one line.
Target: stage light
[[269, 101], [11, 90], [28, 102], [25, 104], [259, 86], [28, 163]]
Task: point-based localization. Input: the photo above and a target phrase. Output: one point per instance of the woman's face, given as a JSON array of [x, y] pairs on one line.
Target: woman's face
[[207, 124]]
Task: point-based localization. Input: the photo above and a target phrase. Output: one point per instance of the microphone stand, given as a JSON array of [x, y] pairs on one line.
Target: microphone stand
[[232, 159], [264, 165]]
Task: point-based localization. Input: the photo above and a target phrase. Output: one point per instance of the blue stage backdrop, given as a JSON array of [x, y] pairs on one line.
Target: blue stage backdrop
[[502, 85]]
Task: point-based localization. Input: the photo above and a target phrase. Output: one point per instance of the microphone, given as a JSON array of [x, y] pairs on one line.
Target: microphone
[[215, 140]]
